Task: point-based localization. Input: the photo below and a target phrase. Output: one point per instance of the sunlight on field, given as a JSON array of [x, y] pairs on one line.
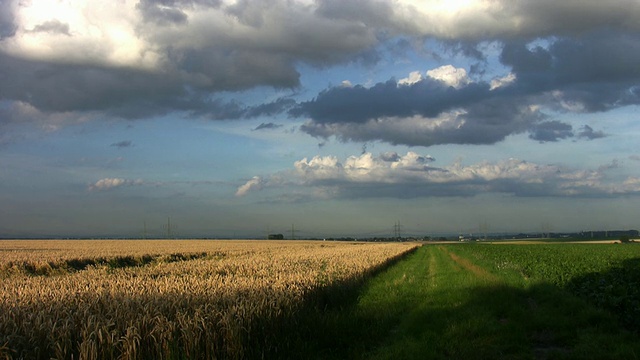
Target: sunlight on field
[[193, 299]]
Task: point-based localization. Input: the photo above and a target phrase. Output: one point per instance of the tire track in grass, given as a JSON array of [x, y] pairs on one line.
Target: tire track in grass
[[436, 315], [476, 270]]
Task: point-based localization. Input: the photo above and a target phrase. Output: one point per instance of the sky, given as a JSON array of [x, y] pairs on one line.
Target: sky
[[325, 118]]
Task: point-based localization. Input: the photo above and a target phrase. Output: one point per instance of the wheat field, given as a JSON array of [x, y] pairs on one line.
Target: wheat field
[[165, 299]]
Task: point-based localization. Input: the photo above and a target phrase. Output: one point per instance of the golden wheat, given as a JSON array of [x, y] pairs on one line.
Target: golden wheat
[[236, 297]]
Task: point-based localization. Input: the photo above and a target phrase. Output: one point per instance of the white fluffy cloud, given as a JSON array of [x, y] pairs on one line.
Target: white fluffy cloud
[[111, 183], [502, 81], [414, 77], [394, 175], [254, 184], [450, 75], [105, 31]]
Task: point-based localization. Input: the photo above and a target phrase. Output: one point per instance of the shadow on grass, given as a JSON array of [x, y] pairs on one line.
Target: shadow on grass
[[617, 290], [479, 322]]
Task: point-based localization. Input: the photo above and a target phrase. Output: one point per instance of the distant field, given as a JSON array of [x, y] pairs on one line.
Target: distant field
[[169, 299], [44, 256], [552, 241]]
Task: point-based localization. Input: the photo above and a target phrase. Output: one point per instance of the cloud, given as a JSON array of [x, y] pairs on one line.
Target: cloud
[[256, 183], [414, 77], [423, 114], [122, 144], [428, 97], [450, 76], [60, 88], [269, 109], [413, 175], [112, 183], [346, 83], [481, 20], [53, 26], [595, 72], [268, 126], [150, 58], [7, 25], [551, 131], [502, 81], [163, 13], [587, 132], [21, 121]]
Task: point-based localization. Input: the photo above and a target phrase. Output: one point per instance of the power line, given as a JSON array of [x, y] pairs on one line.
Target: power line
[[169, 233], [397, 229], [484, 228]]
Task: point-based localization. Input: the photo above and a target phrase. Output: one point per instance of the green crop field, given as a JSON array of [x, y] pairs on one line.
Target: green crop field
[[607, 276], [478, 301]]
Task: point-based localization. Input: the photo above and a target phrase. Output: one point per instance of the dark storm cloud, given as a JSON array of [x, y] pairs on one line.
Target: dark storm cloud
[[551, 131], [587, 132], [162, 13], [465, 48], [358, 104], [591, 73], [374, 13], [597, 71], [51, 87], [570, 17], [250, 13], [363, 114], [194, 49], [232, 68], [391, 156], [7, 25], [213, 56], [126, 93], [480, 128]]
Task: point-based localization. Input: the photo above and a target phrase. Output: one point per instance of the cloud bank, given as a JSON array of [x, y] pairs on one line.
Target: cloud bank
[[413, 175], [595, 72], [140, 59]]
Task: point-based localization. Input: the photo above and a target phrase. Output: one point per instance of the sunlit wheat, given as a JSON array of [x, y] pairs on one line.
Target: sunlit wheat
[[220, 303]]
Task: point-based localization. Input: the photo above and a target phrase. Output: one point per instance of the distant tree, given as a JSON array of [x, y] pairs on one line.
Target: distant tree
[[624, 239]]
